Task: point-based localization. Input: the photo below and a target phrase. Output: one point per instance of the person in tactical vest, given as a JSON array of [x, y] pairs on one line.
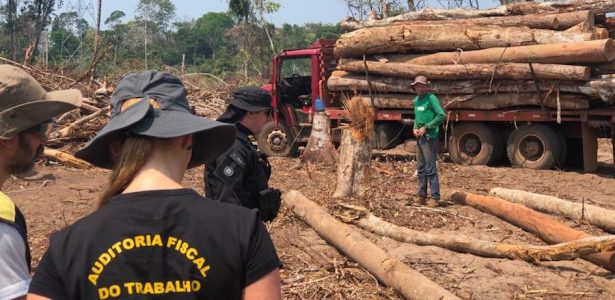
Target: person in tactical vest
[[240, 175], [26, 110]]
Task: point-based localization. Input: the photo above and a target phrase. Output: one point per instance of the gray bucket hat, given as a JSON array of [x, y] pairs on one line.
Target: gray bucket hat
[[24, 103], [154, 104], [252, 99]]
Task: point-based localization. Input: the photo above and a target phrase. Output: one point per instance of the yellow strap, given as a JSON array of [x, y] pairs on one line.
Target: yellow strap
[[7, 208]]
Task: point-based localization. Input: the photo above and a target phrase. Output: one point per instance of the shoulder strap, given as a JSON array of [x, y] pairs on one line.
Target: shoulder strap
[[11, 215]]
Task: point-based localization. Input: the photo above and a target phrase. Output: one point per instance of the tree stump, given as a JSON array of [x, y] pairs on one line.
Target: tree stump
[[355, 149], [320, 148]]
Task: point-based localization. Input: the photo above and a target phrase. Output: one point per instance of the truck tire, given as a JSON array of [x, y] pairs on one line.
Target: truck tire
[[386, 135], [277, 141], [535, 146], [474, 143], [563, 148]]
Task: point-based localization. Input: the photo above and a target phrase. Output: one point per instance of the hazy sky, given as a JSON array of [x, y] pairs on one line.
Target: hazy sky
[[291, 11]]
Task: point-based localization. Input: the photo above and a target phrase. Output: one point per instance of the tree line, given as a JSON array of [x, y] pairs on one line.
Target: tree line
[[239, 42]]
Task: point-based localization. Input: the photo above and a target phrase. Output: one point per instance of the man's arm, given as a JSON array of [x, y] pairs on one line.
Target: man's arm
[[437, 108], [266, 288], [14, 275]]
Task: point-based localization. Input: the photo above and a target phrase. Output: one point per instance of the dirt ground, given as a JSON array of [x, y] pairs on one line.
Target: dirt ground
[[57, 196]]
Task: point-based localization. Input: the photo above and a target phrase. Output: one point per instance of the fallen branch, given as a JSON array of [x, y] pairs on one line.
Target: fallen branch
[[601, 217], [389, 270], [68, 129], [464, 244], [541, 225], [66, 159]]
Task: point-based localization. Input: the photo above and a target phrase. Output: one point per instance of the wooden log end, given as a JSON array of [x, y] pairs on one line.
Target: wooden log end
[[609, 50], [459, 197]]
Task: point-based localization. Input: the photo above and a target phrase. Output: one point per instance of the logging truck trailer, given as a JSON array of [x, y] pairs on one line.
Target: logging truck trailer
[[529, 137]]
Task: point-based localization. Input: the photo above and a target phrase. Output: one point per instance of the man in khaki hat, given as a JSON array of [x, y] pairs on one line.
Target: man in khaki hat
[[26, 110], [428, 116]]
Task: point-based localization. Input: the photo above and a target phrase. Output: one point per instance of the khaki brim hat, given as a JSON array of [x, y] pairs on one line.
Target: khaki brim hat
[[421, 80], [24, 103]]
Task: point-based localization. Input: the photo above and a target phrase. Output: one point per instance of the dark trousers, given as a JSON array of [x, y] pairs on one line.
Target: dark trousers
[[426, 155]]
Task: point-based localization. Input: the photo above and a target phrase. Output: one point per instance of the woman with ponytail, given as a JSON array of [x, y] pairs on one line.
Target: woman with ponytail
[[151, 238]]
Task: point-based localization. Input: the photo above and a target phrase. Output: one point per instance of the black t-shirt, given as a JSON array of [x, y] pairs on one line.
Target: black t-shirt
[[167, 244]]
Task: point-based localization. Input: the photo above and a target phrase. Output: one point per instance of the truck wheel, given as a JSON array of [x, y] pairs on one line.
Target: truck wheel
[[386, 135], [277, 141], [474, 144], [535, 147]]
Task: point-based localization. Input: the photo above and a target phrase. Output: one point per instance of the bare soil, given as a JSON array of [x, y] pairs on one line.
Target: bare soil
[[57, 196]]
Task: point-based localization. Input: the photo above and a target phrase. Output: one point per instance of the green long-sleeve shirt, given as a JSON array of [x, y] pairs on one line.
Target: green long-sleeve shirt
[[428, 113]]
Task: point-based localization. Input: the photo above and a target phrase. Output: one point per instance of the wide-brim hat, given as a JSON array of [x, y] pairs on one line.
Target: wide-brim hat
[[24, 103], [420, 79], [154, 104], [252, 99]]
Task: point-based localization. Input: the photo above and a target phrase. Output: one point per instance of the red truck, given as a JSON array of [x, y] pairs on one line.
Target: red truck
[[528, 137]]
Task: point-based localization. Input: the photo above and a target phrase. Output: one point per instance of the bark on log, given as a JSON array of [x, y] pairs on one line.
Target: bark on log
[[431, 38], [389, 270], [519, 8], [582, 27], [601, 217], [507, 100], [320, 148], [516, 71], [543, 226], [599, 88], [601, 33], [552, 21], [464, 244], [66, 159], [482, 102], [599, 51]]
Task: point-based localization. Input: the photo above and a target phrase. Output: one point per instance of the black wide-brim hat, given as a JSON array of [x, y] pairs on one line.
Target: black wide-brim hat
[[154, 104], [252, 99]]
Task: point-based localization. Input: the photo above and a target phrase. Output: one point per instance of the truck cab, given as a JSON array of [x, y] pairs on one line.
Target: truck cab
[[299, 77]]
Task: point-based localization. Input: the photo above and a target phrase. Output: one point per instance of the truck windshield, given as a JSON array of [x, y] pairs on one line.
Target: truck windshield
[[300, 66]]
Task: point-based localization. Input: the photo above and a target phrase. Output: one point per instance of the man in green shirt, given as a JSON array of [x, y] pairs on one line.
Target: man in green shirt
[[428, 116]]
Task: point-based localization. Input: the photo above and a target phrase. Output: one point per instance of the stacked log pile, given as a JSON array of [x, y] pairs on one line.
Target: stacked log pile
[[553, 55]]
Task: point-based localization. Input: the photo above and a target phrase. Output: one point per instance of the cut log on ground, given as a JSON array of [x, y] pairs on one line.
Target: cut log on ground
[[431, 38], [514, 71], [320, 148], [539, 224], [389, 270], [599, 51], [601, 217], [464, 244], [66, 159], [554, 21], [598, 88]]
